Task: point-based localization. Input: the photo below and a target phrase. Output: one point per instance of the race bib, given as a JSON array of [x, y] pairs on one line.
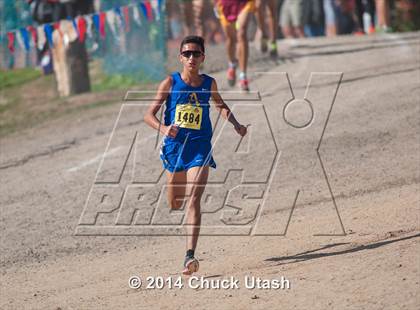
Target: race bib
[[188, 116]]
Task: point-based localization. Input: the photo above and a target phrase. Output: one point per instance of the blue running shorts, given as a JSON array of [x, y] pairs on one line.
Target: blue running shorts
[[178, 156]]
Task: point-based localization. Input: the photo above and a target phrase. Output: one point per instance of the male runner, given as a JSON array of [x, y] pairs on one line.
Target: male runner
[[186, 151], [273, 8], [234, 16]]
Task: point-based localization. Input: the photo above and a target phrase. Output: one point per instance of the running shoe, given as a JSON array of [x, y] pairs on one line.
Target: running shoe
[[231, 76], [190, 265], [273, 51], [243, 83], [263, 45]]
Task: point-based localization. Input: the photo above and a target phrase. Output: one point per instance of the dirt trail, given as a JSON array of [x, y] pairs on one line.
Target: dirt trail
[[370, 152]]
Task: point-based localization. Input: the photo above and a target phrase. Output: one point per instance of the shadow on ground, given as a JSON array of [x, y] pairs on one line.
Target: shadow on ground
[[309, 255]]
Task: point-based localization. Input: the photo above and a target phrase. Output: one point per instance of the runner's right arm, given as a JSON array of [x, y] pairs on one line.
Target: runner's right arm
[[150, 116]]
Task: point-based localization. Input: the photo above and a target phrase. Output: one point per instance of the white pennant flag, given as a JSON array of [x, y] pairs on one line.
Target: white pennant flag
[[155, 7], [19, 40], [89, 23], [42, 39], [136, 15], [110, 18]]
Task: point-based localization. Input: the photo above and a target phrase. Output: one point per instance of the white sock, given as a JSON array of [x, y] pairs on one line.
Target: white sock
[[232, 65]]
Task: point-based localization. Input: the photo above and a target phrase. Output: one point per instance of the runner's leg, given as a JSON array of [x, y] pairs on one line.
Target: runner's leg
[[260, 6], [176, 188], [243, 20], [273, 24], [197, 180], [273, 19], [230, 32]]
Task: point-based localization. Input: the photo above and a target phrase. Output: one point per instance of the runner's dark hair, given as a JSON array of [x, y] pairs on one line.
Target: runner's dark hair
[[193, 39]]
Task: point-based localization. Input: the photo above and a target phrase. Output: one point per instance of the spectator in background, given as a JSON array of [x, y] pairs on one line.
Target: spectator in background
[[365, 8], [382, 10], [193, 16], [346, 17], [186, 7], [407, 15], [313, 18], [211, 29], [291, 18], [48, 11], [198, 12], [330, 13]]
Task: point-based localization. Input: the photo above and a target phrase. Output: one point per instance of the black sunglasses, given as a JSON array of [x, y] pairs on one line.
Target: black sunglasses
[[195, 54]]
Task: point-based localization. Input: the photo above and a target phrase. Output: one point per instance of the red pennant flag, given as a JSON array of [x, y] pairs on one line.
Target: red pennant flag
[[34, 34], [81, 26], [126, 14], [56, 26], [11, 43], [149, 10], [102, 18]]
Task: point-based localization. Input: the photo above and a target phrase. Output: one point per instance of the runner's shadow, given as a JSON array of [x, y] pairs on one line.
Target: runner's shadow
[[308, 255]]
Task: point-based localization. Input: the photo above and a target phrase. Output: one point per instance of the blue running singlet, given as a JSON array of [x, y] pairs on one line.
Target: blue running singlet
[[188, 107]]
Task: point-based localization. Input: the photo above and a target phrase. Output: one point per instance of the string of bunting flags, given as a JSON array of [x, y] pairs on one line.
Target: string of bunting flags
[[117, 19]]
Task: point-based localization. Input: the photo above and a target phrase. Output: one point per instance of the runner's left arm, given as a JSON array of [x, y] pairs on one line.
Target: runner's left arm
[[224, 110]]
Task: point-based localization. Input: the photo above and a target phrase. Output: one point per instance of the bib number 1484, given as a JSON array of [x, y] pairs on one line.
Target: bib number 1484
[[188, 116]]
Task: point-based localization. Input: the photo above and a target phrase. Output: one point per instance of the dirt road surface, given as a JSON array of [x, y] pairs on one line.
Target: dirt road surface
[[370, 152]]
